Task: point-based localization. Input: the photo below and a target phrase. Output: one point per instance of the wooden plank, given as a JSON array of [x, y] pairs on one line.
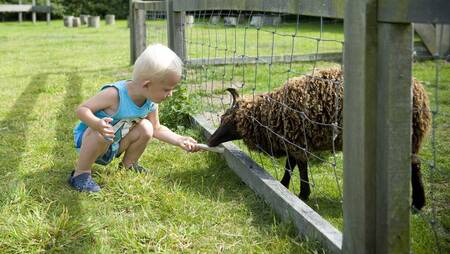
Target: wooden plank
[[414, 11], [360, 54], [151, 5], [393, 137], [427, 33], [325, 8], [24, 8], [288, 206], [334, 57]]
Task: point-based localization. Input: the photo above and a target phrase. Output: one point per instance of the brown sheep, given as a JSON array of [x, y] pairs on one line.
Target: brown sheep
[[305, 116]]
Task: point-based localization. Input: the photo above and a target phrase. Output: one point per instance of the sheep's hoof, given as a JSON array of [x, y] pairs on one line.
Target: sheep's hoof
[[304, 197], [417, 205], [285, 182]]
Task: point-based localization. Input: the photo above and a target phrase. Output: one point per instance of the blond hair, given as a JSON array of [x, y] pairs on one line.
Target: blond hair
[[156, 62]]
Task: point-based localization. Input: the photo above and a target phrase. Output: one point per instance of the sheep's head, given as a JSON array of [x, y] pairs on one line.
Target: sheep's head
[[227, 130]]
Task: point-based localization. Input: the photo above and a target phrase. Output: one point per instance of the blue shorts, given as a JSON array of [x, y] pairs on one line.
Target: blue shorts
[[104, 159]]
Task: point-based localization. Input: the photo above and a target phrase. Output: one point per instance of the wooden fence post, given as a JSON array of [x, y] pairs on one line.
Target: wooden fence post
[[359, 121], [33, 14], [394, 117], [377, 135], [138, 32], [175, 30], [20, 13], [49, 12]]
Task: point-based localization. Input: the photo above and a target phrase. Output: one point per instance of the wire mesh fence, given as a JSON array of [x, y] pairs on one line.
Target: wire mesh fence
[[263, 55], [430, 226], [257, 53]]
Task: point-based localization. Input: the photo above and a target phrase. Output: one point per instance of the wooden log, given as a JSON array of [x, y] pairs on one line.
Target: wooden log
[[257, 21], [230, 21], [189, 20], [214, 20], [84, 19], [110, 19], [76, 22], [94, 21], [68, 21]]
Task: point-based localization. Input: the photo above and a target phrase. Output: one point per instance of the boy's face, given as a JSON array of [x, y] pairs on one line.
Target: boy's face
[[157, 91]]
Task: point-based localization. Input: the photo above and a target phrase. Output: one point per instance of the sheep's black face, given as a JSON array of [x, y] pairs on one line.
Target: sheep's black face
[[227, 130]]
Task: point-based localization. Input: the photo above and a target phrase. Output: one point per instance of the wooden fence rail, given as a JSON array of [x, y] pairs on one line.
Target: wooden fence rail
[[33, 8]]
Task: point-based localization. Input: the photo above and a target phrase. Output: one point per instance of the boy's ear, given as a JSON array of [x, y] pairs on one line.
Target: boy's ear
[[147, 83]]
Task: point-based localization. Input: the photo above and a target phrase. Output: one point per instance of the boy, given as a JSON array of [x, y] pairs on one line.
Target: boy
[[123, 117]]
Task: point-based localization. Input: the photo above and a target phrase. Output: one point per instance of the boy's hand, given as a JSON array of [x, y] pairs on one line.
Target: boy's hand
[[105, 129], [188, 144]]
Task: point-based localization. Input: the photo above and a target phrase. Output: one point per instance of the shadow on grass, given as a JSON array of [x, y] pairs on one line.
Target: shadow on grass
[[69, 231], [216, 182], [13, 132]]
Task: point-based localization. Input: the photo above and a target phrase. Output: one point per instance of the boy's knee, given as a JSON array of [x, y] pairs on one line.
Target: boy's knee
[[146, 129]]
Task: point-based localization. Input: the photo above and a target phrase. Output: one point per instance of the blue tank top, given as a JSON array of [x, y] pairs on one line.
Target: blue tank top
[[127, 114]]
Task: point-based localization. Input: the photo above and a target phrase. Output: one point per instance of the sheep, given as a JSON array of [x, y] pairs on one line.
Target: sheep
[[307, 112]]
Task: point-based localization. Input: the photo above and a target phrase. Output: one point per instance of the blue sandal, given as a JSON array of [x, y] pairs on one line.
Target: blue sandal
[[83, 182]]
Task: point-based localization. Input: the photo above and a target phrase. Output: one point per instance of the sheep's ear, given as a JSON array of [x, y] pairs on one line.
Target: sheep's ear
[[234, 94]]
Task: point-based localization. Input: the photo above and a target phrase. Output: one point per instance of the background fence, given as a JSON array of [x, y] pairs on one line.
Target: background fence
[[256, 46], [28, 6]]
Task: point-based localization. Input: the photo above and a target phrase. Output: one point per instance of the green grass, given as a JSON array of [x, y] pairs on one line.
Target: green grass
[[261, 78], [190, 203]]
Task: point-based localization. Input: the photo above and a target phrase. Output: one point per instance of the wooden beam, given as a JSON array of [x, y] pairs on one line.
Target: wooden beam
[[335, 57], [288, 206], [151, 5], [427, 32], [324, 8], [443, 39], [414, 11], [24, 8]]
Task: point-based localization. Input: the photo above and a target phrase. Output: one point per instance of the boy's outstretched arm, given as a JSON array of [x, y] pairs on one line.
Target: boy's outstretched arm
[[164, 134]]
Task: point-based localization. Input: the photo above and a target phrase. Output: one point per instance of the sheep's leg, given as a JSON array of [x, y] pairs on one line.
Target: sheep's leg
[[418, 193], [304, 180], [288, 169]]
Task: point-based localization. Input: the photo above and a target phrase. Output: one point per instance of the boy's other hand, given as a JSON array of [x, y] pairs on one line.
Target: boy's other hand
[[188, 144], [105, 128]]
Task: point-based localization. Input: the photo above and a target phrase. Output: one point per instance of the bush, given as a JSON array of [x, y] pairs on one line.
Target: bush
[[174, 112]]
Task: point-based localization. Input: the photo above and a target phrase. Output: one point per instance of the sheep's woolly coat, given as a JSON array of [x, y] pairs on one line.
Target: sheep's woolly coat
[[306, 115]]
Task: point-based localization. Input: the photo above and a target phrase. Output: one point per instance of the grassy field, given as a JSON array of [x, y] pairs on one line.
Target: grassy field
[[189, 203]]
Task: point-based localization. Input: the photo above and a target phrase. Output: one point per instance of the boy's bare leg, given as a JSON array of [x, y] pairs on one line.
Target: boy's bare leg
[[135, 142], [92, 147]]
